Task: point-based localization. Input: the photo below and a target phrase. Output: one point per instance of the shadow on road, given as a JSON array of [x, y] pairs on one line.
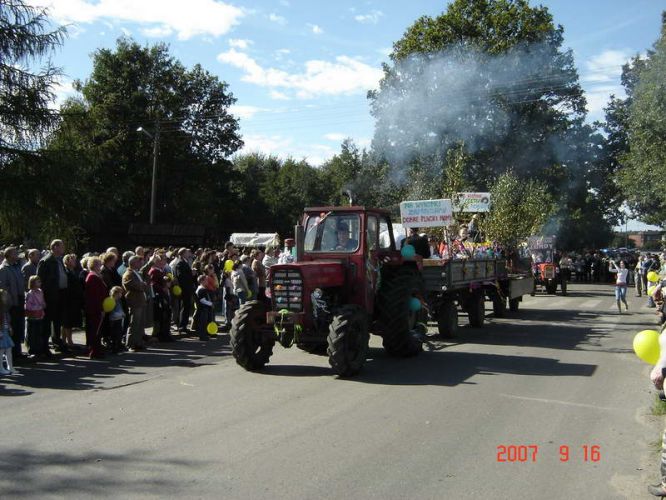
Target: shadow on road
[[80, 373], [39, 474]]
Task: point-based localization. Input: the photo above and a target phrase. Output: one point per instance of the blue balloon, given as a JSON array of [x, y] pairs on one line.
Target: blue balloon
[[414, 304], [408, 251]]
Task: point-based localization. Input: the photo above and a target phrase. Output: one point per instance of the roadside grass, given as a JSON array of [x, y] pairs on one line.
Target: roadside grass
[[659, 406]]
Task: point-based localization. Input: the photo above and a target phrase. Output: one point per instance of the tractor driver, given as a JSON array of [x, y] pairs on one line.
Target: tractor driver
[[344, 241]]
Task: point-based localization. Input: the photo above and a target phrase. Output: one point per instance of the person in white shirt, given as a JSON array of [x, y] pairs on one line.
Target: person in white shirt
[[620, 283]]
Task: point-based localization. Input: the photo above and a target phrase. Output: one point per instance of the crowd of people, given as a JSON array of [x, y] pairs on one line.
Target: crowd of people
[[46, 295]]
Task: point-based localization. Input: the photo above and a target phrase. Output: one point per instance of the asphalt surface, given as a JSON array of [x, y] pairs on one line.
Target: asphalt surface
[[182, 420]]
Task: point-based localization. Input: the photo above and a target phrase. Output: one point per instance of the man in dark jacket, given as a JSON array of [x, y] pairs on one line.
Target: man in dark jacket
[[420, 243], [183, 273], [53, 275]]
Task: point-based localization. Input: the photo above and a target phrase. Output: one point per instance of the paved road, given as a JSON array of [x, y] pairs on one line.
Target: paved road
[[185, 421]]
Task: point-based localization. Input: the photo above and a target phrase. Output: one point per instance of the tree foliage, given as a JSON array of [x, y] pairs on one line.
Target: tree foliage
[[641, 129], [519, 209], [25, 93]]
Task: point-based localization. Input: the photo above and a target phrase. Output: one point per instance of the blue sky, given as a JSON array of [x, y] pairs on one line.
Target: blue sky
[[301, 69]]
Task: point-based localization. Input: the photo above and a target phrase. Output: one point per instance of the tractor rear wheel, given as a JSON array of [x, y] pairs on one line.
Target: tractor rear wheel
[[348, 339], [251, 342], [396, 318], [476, 310], [447, 319]]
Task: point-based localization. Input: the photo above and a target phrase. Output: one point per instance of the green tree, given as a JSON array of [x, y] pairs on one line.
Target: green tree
[[25, 93], [98, 146], [641, 117], [519, 209]]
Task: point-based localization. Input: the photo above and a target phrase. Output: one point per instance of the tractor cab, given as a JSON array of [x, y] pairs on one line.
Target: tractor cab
[[546, 271]]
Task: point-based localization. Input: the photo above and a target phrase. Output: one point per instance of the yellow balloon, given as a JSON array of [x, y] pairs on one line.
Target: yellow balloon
[[170, 276], [212, 328], [109, 304], [228, 266], [651, 290], [652, 277], [646, 346], [177, 291]]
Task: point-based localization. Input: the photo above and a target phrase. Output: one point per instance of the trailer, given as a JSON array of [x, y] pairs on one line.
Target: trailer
[[465, 284]]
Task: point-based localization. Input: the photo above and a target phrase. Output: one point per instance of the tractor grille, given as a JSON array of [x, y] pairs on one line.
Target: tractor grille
[[549, 272], [287, 290]]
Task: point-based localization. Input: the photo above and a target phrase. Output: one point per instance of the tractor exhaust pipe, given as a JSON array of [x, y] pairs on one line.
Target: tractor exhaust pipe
[[299, 236]]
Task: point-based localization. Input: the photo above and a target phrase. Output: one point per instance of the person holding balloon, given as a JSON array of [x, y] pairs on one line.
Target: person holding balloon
[[116, 317], [650, 347], [620, 284], [203, 314]]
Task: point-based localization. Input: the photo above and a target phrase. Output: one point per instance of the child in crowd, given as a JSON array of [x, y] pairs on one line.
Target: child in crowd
[[204, 309], [35, 305], [6, 342], [116, 318]]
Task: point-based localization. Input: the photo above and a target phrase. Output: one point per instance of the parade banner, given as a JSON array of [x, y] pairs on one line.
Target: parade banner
[[426, 213], [541, 242], [472, 202]]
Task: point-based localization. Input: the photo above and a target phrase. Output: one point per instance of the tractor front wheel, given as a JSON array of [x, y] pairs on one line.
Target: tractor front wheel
[[348, 340], [251, 342]]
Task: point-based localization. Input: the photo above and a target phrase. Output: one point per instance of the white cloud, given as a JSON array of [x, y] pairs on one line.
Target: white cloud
[[334, 136], [247, 112], [187, 19], [277, 19], [63, 89], [316, 29], [385, 51], [601, 78], [278, 96], [344, 76], [240, 43], [157, 32], [126, 32], [285, 147], [285, 3], [606, 66], [370, 18]]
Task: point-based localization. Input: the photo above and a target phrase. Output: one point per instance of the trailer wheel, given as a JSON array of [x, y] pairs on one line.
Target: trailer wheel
[[447, 319], [477, 310], [348, 339], [251, 343], [514, 304], [398, 287], [499, 305]]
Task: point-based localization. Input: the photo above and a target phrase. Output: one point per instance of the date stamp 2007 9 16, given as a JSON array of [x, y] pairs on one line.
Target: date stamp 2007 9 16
[[529, 453]]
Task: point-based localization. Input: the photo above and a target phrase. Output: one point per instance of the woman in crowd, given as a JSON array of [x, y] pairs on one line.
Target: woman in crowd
[[95, 293], [73, 304], [620, 284], [257, 266]]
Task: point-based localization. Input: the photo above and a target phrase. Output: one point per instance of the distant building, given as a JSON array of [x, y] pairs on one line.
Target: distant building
[[644, 239]]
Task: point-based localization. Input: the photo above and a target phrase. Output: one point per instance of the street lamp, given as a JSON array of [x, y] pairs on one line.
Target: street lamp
[[153, 188]]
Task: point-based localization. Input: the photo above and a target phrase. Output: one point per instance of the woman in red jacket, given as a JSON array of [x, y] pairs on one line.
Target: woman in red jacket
[[95, 293]]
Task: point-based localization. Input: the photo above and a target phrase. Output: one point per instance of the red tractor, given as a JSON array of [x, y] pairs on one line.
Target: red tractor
[[546, 271], [346, 282]]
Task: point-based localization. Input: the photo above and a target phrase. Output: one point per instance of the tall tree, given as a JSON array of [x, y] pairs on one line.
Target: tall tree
[[641, 118], [133, 86], [25, 93]]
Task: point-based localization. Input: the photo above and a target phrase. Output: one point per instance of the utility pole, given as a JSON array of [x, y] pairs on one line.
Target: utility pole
[[153, 189]]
